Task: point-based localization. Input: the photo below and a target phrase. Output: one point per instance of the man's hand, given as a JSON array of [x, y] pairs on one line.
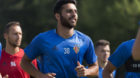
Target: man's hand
[[81, 70], [48, 75], [6, 76]]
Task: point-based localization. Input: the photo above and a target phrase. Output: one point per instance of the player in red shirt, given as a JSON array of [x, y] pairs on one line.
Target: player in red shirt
[[12, 54]]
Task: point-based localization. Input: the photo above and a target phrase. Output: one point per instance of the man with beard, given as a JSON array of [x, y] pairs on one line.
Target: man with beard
[[12, 54], [102, 50], [62, 50]]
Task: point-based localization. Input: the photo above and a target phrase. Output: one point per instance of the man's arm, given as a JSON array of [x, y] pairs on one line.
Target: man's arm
[[27, 65], [6, 76], [136, 47], [107, 72], [92, 70]]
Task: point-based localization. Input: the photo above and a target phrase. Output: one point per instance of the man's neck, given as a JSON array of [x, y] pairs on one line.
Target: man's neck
[[12, 50], [65, 32], [102, 64]]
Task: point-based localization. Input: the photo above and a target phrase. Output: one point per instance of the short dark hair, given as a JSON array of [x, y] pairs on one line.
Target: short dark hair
[[101, 42], [60, 3], [10, 24]]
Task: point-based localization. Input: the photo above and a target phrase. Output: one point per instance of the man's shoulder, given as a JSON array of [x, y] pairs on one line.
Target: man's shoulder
[[125, 48], [45, 34], [128, 43], [21, 50], [82, 35]]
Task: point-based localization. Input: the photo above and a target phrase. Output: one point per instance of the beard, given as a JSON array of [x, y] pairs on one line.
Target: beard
[[66, 23], [12, 43]]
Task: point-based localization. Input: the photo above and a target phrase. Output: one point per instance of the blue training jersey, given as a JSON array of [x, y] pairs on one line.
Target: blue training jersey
[[59, 55], [0, 49], [121, 55]]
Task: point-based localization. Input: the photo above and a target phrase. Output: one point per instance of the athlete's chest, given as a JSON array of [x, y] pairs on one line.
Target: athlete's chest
[[64, 47], [10, 64]]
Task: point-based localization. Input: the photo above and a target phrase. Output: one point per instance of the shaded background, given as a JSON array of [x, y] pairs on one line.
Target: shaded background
[[114, 20]]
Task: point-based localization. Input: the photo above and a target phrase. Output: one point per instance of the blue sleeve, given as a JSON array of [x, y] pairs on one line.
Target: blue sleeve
[[119, 57], [33, 49], [90, 55]]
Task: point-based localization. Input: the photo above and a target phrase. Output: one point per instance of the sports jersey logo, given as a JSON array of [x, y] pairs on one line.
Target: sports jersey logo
[[76, 49], [13, 64]]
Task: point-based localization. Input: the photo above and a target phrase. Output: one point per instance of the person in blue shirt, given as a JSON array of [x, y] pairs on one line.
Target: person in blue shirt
[[136, 47], [62, 50], [102, 50], [123, 56]]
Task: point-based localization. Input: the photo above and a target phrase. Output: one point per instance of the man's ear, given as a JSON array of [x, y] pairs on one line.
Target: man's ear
[[57, 16]]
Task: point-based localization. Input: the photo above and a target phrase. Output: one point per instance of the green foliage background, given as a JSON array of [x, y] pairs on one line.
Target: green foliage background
[[114, 20]]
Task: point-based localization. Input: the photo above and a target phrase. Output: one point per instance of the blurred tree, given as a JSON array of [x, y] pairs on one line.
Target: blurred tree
[[114, 20]]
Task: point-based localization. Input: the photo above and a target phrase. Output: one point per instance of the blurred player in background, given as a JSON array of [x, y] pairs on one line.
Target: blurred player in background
[[12, 54], [102, 50]]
